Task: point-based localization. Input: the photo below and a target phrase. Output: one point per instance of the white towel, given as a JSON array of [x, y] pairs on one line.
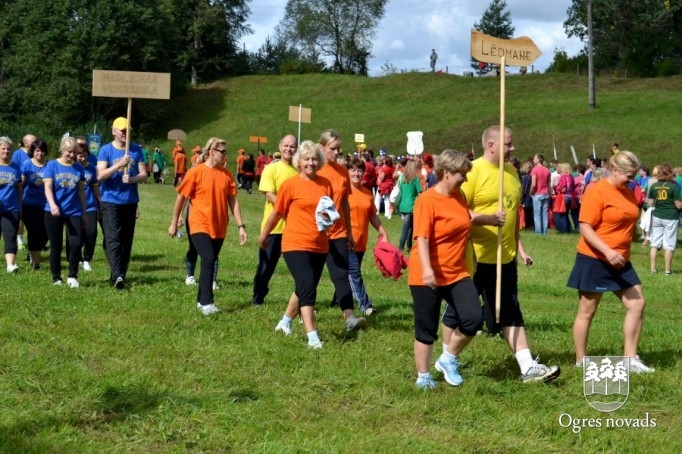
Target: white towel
[[325, 206]]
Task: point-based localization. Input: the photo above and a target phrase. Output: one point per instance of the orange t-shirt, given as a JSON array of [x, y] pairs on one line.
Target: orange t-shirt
[[362, 209], [340, 180], [208, 189], [613, 213], [297, 201], [444, 221], [180, 163], [240, 160]]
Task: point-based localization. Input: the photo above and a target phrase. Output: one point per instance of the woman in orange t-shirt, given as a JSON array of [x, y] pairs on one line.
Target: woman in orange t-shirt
[[608, 215], [210, 189], [438, 270], [304, 244], [362, 214]]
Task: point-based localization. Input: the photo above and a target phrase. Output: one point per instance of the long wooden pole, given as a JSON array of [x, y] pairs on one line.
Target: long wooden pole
[[129, 114], [500, 195]]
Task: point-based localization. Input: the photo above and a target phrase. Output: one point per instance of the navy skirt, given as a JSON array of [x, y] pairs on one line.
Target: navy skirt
[[595, 276]]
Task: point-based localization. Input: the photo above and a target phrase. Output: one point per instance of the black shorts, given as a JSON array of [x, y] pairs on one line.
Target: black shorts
[[596, 276]]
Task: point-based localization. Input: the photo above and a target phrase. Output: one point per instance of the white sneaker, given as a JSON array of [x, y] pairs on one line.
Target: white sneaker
[[72, 282], [315, 344], [638, 367], [57, 282], [283, 327], [13, 268], [215, 286], [189, 280], [208, 309], [86, 266], [540, 372]]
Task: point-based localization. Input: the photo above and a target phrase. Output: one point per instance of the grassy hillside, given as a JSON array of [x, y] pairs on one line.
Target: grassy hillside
[[452, 111]]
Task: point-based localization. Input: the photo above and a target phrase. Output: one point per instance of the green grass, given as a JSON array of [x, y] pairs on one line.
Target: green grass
[[95, 370], [640, 114]]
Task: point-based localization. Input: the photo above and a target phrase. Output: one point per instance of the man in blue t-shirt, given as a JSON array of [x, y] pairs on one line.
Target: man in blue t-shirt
[[119, 174]]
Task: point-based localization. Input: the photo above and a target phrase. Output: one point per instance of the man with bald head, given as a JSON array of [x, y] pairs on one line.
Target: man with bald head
[[274, 174], [18, 157]]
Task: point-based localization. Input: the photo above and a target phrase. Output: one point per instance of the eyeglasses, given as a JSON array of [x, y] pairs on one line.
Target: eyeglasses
[[221, 151]]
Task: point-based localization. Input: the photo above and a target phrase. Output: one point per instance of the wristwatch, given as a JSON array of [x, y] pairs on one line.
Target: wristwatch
[[241, 226]]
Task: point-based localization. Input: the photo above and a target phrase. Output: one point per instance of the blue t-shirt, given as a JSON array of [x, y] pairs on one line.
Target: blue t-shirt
[[34, 189], [114, 190], [10, 178], [90, 173], [19, 156], [65, 179], [92, 159]]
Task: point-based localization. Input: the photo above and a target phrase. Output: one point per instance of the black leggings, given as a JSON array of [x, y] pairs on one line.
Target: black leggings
[[34, 220], [337, 265], [55, 232], [9, 226], [209, 250]]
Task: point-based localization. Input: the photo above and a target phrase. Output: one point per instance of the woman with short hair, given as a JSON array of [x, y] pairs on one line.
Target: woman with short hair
[[410, 188], [34, 200], [664, 195], [438, 270]]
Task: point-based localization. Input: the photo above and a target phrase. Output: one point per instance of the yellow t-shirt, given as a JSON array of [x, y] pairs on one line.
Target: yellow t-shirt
[[271, 180], [481, 192]]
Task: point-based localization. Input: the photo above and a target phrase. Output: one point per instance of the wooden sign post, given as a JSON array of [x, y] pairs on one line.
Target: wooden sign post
[[258, 140], [301, 115], [130, 84], [516, 52]]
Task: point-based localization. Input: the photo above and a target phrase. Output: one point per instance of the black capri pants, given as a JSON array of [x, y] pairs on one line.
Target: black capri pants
[[462, 300], [306, 269]]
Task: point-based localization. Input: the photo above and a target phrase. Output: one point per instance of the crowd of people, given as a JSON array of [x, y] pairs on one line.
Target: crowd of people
[[319, 204]]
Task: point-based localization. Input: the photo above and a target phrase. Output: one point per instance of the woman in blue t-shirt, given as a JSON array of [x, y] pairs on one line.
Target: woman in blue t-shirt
[[10, 201], [92, 202], [64, 180], [33, 202]]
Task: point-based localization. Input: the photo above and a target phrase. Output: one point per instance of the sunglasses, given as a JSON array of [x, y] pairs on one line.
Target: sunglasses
[[221, 151]]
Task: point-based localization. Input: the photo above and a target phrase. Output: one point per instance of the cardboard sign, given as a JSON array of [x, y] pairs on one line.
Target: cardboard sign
[[130, 84], [304, 111], [258, 139], [359, 138], [517, 52]]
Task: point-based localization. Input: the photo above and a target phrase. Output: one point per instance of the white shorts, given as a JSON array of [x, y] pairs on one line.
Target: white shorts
[[664, 233]]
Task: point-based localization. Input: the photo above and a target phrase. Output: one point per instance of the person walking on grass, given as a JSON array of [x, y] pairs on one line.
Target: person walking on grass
[[119, 174], [92, 203], [19, 156], [481, 192], [10, 202], [363, 212], [304, 241], [272, 178], [665, 197], [34, 200], [539, 191], [410, 188], [608, 216], [64, 181], [210, 189], [438, 271]]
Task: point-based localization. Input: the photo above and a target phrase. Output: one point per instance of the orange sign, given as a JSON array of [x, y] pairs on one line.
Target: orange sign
[[517, 52], [258, 139]]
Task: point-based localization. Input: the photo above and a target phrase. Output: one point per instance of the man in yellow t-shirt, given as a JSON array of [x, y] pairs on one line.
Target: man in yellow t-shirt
[[274, 174], [481, 191]]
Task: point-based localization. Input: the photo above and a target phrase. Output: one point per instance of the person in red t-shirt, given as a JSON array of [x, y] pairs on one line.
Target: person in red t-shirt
[[608, 216], [180, 160], [261, 162]]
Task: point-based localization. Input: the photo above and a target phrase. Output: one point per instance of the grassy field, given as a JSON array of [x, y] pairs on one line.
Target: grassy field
[[642, 115], [96, 370]]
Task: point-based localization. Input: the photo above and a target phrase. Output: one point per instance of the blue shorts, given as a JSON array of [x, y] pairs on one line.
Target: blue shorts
[[595, 276]]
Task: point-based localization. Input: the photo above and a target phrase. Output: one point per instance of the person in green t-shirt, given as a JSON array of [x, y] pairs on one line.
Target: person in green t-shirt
[[665, 197]]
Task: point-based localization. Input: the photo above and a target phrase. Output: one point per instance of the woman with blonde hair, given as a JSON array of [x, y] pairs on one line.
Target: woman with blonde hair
[[564, 188], [608, 216], [211, 189], [410, 188], [664, 195], [10, 202], [64, 182]]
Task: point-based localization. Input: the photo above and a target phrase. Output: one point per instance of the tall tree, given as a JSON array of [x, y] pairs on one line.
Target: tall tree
[[496, 21], [208, 33], [338, 30], [631, 37]]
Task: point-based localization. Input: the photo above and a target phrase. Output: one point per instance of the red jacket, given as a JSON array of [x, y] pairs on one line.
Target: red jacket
[[389, 259]]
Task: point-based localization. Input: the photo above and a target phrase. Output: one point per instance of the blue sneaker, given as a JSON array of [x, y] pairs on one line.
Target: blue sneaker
[[426, 383], [450, 371]]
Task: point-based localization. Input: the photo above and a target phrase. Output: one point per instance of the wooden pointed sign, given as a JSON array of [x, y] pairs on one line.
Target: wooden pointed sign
[[520, 51]]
